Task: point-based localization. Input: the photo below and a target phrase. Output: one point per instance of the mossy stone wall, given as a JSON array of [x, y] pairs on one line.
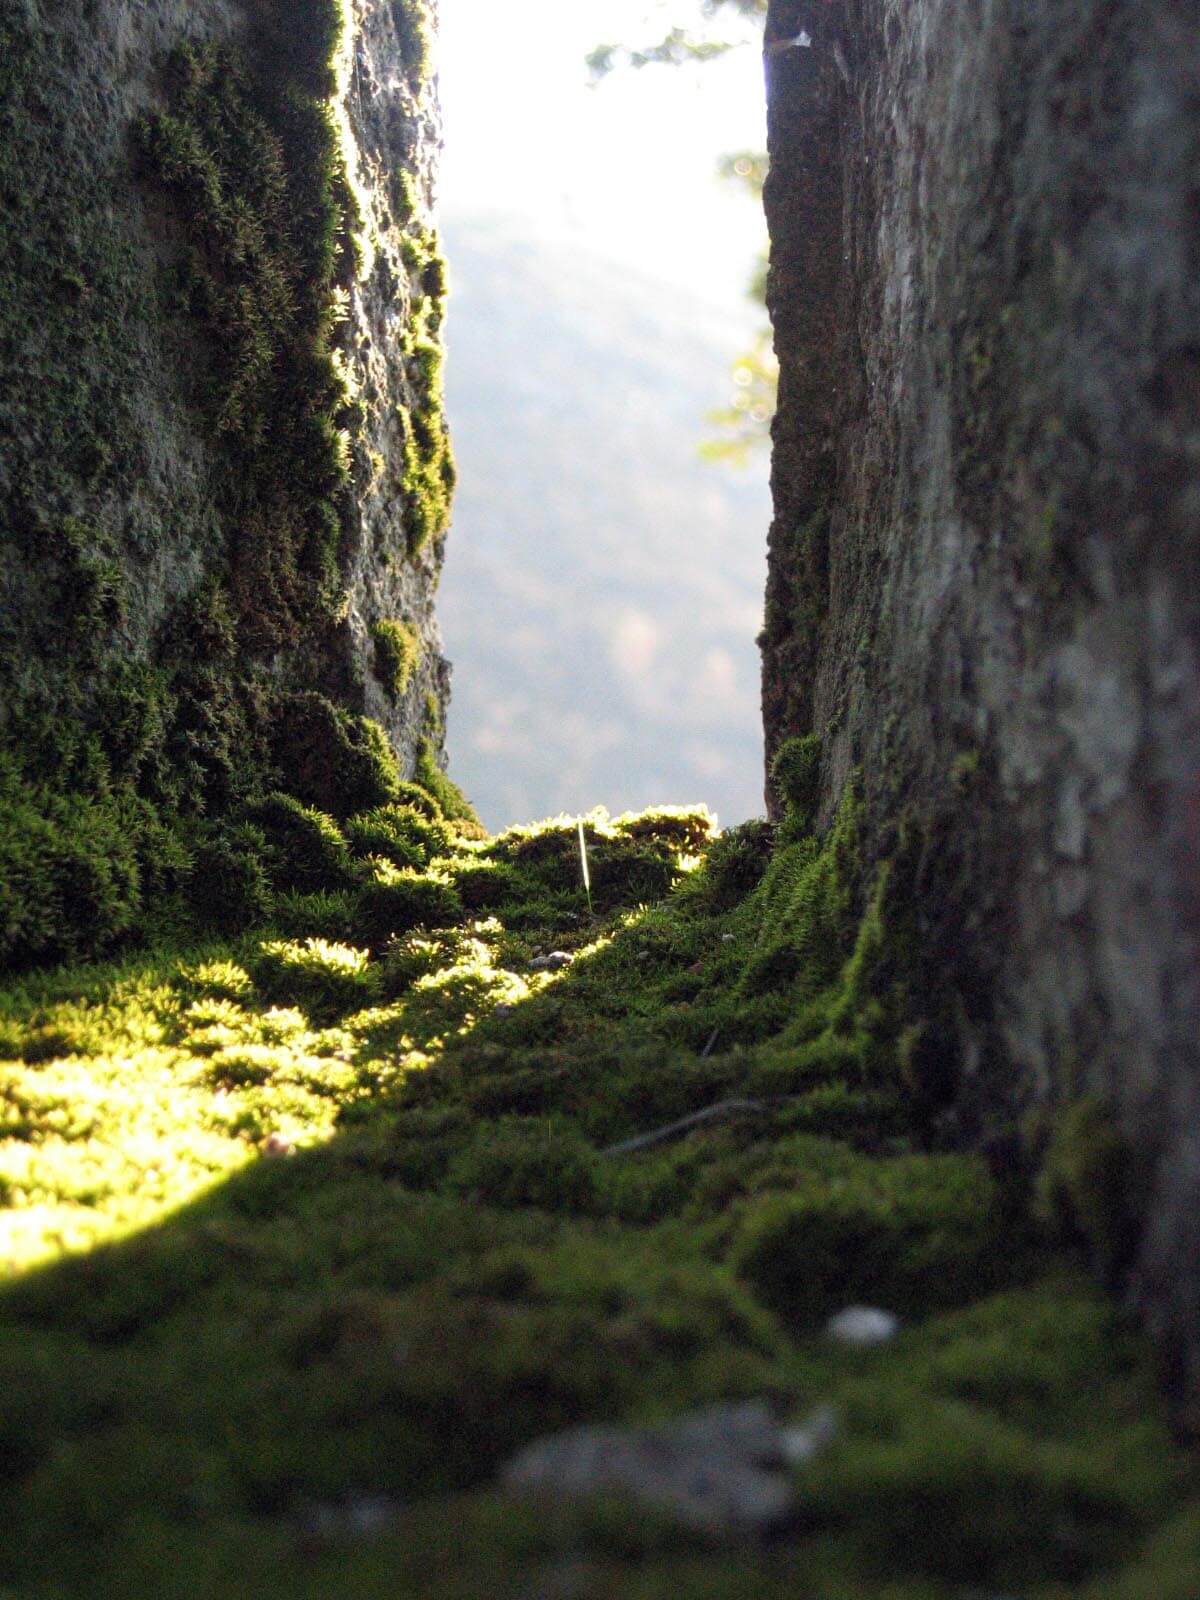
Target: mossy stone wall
[[223, 452], [982, 588]]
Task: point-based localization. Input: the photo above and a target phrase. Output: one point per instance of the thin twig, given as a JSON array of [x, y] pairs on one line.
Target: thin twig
[[708, 1048], [723, 1108]]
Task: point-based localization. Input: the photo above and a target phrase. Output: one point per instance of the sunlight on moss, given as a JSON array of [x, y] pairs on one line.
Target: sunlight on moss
[[372, 1224]]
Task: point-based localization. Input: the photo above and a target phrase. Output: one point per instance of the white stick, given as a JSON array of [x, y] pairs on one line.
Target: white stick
[[583, 861]]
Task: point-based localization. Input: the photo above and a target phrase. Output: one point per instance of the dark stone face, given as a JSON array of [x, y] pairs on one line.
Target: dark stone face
[[986, 234]]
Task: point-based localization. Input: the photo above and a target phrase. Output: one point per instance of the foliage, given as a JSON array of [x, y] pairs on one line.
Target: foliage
[[682, 41], [743, 424]]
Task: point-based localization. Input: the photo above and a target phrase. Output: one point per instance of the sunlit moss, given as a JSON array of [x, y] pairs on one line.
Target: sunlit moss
[[397, 654], [365, 1236]]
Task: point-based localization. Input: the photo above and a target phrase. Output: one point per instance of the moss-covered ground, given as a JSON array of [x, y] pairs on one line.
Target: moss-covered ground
[[309, 1228]]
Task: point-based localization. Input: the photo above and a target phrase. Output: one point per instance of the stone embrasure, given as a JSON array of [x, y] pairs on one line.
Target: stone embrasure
[[225, 465], [982, 584]]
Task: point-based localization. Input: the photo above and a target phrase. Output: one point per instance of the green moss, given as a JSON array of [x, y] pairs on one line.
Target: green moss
[[398, 834], [429, 471], [913, 1234], [308, 851], [397, 654], [446, 794], [1088, 1185], [249, 149], [428, 463], [513, 1163], [243, 1353], [398, 901], [332, 760], [323, 978], [184, 726], [415, 32], [230, 889], [796, 776], [69, 873]]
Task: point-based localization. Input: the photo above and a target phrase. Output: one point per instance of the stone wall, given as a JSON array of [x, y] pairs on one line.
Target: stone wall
[[198, 433], [983, 590]]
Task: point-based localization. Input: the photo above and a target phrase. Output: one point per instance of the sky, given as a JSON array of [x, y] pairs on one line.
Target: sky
[[603, 587], [626, 167]]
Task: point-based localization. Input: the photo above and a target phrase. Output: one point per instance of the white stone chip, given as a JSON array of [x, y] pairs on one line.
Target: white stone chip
[[863, 1326], [725, 1469]]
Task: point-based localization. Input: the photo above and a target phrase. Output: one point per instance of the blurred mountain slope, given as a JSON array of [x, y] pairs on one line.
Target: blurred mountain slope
[[603, 585]]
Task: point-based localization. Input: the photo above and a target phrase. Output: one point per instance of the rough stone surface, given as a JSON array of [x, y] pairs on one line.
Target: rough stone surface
[[982, 593], [396, 127], [100, 420], [722, 1470]]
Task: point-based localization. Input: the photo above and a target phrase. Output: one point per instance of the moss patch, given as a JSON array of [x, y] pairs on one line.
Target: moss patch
[[397, 654], [249, 150], [307, 1233]]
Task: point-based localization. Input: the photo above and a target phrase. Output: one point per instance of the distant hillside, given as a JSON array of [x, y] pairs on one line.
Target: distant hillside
[[603, 585]]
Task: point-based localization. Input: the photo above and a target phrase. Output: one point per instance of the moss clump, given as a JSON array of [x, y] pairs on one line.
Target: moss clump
[[445, 793], [1088, 1185], [69, 873], [307, 851], [325, 979], [397, 654], [796, 777], [331, 759], [398, 901], [398, 834], [915, 1234], [230, 889], [513, 1163], [429, 471], [415, 32], [424, 446], [736, 864]]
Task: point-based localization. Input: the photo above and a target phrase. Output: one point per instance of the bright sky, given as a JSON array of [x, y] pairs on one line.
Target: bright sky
[[626, 169]]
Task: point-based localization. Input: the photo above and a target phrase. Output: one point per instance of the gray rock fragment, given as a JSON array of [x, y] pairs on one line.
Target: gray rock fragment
[[863, 1326], [725, 1469], [555, 961]]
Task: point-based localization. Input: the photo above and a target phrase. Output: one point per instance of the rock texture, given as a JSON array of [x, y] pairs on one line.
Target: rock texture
[[137, 517], [983, 596], [723, 1470]]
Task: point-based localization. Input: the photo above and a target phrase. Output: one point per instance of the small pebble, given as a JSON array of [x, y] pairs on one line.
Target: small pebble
[[554, 962], [728, 938], [863, 1326]]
